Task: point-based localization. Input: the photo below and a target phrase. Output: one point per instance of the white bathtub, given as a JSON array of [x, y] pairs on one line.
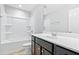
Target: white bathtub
[[11, 41], [9, 46]]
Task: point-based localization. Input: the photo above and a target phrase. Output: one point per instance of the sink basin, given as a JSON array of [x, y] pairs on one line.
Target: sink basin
[[48, 35]]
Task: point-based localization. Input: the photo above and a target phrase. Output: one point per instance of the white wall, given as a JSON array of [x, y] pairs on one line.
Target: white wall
[[37, 19], [0, 23], [74, 20]]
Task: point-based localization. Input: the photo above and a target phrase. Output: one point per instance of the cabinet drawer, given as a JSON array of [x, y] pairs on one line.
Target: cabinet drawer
[[37, 49], [44, 44]]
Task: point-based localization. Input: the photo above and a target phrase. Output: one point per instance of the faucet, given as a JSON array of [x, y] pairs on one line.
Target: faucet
[[53, 34]]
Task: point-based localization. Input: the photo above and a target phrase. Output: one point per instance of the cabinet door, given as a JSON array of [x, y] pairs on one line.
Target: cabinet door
[[72, 53], [33, 47], [45, 52], [37, 49], [63, 51], [60, 51], [44, 44]]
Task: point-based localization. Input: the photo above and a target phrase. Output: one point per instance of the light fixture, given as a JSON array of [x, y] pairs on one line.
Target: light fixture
[[20, 5]]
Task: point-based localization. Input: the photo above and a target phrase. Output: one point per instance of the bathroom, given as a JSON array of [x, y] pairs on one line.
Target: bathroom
[[19, 21]]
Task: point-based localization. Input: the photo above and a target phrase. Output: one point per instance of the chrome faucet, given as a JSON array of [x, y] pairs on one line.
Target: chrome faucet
[[53, 34]]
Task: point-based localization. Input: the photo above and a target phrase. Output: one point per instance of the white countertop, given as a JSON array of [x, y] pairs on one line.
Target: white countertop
[[66, 42]]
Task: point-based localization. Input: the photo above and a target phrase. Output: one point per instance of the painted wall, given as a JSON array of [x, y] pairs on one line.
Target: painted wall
[[74, 20], [37, 19], [0, 23]]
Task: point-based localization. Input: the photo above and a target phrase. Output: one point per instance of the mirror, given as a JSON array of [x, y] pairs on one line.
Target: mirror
[[62, 18], [74, 20]]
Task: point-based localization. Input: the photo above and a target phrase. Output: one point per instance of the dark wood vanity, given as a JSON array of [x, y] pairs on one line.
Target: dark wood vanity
[[43, 47]]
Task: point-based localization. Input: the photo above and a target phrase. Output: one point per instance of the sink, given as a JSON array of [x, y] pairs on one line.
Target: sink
[[53, 36]]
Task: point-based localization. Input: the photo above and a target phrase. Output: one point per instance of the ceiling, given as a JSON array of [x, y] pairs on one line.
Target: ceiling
[[49, 7], [27, 7]]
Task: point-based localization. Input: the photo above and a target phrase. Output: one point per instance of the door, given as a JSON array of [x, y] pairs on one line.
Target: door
[[37, 49], [60, 51], [63, 51]]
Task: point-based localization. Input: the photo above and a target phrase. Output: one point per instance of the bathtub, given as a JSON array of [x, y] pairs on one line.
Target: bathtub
[[7, 47], [11, 41]]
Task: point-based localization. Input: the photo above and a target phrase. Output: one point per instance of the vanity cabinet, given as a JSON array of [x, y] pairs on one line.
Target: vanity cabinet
[[43, 47]]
